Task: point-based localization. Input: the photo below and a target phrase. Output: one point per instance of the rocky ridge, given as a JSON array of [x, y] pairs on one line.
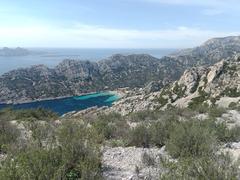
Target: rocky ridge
[[73, 77], [218, 84], [210, 52]]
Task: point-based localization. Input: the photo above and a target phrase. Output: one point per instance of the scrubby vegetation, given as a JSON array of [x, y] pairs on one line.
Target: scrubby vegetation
[[27, 115], [194, 143], [191, 139], [179, 90], [8, 135], [55, 147], [69, 150], [215, 167], [231, 92]]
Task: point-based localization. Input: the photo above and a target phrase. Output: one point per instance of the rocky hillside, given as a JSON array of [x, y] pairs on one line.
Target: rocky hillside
[[138, 70], [73, 77], [218, 84], [210, 52]]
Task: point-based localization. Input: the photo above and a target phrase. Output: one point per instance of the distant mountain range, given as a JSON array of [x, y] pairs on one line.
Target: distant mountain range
[[14, 51], [73, 77]]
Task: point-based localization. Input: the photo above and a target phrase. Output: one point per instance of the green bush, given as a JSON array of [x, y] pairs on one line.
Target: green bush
[[160, 132], [179, 90], [231, 92], [190, 139], [104, 128], [225, 134], [111, 126], [139, 136], [234, 134], [8, 135], [202, 108], [196, 102], [35, 114], [43, 133], [216, 111], [27, 114], [74, 155], [141, 116], [233, 105], [162, 101], [79, 150], [32, 164], [216, 167]]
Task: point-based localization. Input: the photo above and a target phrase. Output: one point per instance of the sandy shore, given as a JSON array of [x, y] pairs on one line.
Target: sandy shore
[[118, 93]]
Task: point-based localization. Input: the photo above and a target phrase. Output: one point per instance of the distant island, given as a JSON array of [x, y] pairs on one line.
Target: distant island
[[14, 51]]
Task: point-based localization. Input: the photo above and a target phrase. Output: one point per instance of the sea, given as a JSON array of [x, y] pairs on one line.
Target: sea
[[52, 57], [64, 105]]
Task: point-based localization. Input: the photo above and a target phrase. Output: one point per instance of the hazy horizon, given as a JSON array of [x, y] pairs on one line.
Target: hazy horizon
[[53, 56]]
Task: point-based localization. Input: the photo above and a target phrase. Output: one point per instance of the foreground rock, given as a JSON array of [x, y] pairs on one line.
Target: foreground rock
[[233, 149], [129, 163]]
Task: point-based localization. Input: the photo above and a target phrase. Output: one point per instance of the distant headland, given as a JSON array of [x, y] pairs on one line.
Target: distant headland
[[14, 51]]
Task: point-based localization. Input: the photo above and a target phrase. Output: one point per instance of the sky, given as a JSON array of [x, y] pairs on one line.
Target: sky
[[116, 23]]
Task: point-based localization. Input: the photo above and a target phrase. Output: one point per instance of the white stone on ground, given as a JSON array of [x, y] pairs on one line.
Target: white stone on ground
[[126, 163]]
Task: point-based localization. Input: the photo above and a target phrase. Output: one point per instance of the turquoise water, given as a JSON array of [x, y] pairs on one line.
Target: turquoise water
[[112, 97], [75, 103]]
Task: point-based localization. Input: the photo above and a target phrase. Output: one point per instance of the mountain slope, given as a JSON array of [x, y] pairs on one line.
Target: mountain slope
[[213, 85], [75, 77], [217, 84], [138, 70], [210, 52]]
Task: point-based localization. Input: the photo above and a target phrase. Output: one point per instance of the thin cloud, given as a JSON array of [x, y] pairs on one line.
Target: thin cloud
[[209, 7], [82, 35], [212, 12], [206, 3]]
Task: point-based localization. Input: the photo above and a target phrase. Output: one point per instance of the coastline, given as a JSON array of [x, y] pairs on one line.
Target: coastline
[[117, 93]]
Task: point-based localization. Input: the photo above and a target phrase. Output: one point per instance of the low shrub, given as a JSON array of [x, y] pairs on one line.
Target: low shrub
[[225, 134], [111, 126], [8, 135], [190, 139], [139, 136], [74, 155], [160, 131], [197, 101], [216, 167], [28, 114], [216, 112], [143, 116]]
